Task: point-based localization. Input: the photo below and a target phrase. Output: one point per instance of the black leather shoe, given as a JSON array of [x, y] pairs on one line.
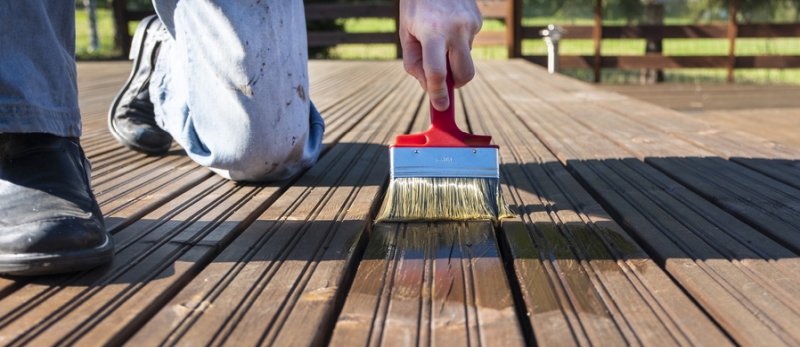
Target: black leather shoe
[[49, 219], [131, 118]]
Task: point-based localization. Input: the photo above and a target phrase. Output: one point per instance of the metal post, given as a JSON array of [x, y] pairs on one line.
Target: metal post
[[552, 35], [91, 9]]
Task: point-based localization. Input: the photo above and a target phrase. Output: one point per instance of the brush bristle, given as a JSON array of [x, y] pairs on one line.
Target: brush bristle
[[443, 198]]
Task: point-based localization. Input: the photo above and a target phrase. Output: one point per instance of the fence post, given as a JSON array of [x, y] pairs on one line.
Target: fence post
[[514, 28], [122, 38], [733, 32], [398, 46], [597, 36], [654, 15]]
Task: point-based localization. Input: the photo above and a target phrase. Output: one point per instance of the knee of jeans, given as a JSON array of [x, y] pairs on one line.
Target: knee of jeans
[[265, 164]]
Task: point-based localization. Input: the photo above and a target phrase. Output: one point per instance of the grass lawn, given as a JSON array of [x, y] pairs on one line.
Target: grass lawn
[[773, 46], [105, 35]]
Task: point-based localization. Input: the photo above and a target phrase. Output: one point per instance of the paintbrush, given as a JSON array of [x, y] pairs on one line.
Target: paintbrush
[[443, 173]]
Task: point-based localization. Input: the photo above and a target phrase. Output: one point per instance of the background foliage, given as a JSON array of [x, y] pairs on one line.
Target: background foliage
[[543, 12]]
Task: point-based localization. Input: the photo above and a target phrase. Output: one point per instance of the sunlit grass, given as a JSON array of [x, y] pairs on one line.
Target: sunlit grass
[[105, 33]]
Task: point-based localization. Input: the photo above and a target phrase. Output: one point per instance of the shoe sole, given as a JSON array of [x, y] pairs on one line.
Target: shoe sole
[[135, 55], [60, 262]]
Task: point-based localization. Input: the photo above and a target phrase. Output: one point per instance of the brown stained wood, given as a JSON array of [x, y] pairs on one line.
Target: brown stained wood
[[75, 295], [122, 38], [724, 104], [493, 9], [723, 141], [491, 38], [132, 200], [673, 31], [514, 29], [779, 125], [618, 270], [585, 313], [201, 260], [325, 39], [408, 314], [751, 286], [291, 333], [175, 237], [286, 268], [597, 37], [667, 219], [364, 312], [785, 171], [672, 62], [114, 163], [155, 245], [326, 11], [115, 180], [439, 284], [770, 206], [733, 32]]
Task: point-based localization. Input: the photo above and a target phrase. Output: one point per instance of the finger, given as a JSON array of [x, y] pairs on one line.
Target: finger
[[461, 64], [412, 61], [434, 62]]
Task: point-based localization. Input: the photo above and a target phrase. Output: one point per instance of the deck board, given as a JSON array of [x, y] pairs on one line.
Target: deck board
[[601, 281], [277, 263], [676, 226], [637, 225]]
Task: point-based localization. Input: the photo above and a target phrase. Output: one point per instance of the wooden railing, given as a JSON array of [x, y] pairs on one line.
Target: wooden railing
[[511, 12], [489, 9], [731, 31]]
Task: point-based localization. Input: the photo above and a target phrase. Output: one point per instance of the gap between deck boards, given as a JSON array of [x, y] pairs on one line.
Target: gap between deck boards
[[562, 197]]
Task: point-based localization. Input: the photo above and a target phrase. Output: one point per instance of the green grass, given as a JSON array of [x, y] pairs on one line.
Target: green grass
[[750, 46], [105, 35]]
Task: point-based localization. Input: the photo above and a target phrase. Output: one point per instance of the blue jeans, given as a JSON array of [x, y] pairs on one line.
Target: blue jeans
[[230, 84], [38, 85]]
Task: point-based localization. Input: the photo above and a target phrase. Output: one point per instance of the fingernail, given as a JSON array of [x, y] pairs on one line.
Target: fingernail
[[442, 103]]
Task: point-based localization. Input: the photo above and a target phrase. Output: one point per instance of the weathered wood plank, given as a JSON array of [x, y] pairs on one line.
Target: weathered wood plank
[[439, 284], [412, 306], [580, 274], [158, 252], [770, 206], [767, 157], [724, 264], [776, 124], [278, 283]]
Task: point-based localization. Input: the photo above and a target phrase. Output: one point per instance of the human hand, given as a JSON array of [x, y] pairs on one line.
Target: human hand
[[433, 32]]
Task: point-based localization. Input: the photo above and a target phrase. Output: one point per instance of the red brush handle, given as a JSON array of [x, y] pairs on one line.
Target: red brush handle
[[443, 131]]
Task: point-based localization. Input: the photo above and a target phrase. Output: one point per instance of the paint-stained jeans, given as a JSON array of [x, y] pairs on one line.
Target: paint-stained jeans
[[230, 84]]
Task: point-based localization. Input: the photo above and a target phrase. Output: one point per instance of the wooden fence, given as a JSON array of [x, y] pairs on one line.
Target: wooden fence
[[511, 12]]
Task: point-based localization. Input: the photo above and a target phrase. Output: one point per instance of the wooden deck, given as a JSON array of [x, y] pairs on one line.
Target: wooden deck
[[637, 225], [699, 98]]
